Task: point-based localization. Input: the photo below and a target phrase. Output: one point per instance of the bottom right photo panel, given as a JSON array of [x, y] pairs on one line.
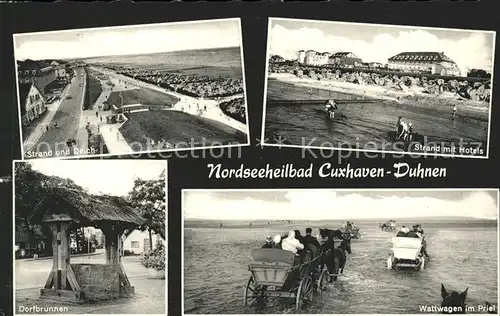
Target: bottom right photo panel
[[340, 251]]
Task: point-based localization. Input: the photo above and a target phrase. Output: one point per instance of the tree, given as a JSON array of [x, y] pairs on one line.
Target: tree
[[478, 73], [31, 187], [149, 197]]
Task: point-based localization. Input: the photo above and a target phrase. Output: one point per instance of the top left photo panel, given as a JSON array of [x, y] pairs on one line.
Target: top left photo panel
[[131, 89]]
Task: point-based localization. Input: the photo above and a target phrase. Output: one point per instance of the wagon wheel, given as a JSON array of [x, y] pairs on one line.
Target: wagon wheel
[[322, 281], [304, 293], [253, 292]]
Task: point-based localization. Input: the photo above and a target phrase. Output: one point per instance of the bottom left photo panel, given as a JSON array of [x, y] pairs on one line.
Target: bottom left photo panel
[[90, 237]]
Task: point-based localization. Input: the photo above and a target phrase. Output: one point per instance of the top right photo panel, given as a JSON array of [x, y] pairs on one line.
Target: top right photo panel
[[378, 88]]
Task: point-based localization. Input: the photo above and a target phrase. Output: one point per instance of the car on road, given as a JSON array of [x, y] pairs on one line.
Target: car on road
[[69, 97]]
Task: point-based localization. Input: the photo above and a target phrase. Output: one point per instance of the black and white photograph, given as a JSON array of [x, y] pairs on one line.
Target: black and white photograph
[[90, 237], [131, 89], [340, 251], [378, 88]]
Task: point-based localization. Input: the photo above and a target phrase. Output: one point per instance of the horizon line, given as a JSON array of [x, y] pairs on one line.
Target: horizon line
[[374, 218], [128, 54]]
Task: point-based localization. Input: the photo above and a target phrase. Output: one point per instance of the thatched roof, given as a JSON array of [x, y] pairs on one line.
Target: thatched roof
[[87, 209]]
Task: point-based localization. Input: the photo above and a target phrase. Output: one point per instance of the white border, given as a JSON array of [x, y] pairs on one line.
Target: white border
[[14, 306], [136, 26], [329, 190], [421, 155]]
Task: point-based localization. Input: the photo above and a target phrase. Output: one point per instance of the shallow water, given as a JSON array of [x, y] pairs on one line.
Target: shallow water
[[216, 273], [366, 123]]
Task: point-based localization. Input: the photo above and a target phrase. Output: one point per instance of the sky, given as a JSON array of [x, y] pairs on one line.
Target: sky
[[377, 43], [331, 205], [112, 177], [152, 38]]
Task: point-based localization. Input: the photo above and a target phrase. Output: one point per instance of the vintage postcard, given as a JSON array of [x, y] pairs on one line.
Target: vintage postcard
[[131, 89], [90, 237], [378, 88], [335, 251]]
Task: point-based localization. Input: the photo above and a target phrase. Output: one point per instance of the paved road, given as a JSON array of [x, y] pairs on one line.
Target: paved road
[[67, 117]]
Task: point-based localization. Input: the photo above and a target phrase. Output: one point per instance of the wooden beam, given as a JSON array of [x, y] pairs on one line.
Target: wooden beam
[[63, 254], [55, 256], [70, 296], [72, 279], [123, 275], [57, 218], [50, 281]]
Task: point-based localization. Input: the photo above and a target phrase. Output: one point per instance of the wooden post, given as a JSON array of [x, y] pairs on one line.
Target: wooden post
[[55, 255], [64, 255], [113, 245], [61, 282]]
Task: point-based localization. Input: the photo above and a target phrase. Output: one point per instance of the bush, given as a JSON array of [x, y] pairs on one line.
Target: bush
[[155, 259]]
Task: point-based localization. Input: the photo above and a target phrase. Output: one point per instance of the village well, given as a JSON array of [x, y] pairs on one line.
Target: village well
[[63, 209]]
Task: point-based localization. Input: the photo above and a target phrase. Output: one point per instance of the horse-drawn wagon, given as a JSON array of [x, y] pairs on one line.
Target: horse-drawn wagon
[[278, 273], [406, 252], [352, 232], [388, 226]]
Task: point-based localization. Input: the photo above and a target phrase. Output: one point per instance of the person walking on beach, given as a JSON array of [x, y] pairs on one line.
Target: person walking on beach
[[404, 131], [399, 127], [410, 131], [454, 112]]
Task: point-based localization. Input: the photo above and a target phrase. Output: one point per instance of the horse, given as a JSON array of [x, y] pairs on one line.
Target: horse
[[335, 258], [491, 309], [331, 233], [453, 301]]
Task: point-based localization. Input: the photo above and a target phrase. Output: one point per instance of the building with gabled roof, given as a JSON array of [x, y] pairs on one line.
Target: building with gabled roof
[[36, 71], [426, 62], [343, 59], [31, 102]]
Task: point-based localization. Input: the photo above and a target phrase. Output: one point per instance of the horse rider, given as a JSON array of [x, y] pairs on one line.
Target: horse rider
[[269, 242], [290, 243], [330, 108]]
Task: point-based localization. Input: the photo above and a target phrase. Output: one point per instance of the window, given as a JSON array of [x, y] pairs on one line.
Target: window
[[134, 244]]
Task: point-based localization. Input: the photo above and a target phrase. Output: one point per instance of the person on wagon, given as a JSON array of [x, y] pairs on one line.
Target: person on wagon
[[269, 242], [290, 243]]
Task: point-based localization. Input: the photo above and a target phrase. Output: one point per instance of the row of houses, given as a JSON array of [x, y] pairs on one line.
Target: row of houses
[[39, 80], [426, 62], [134, 242], [313, 58]]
